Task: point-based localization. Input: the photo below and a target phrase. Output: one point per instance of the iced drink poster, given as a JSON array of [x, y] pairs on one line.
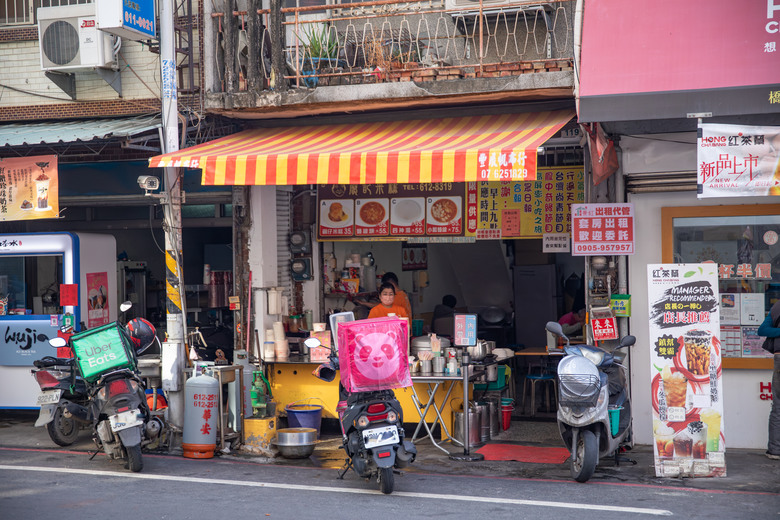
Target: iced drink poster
[[686, 375]]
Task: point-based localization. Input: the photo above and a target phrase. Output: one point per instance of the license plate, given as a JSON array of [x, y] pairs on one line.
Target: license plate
[[380, 436], [125, 420], [49, 396]]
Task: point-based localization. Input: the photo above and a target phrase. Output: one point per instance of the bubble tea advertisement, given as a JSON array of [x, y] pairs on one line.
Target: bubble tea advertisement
[[686, 375]]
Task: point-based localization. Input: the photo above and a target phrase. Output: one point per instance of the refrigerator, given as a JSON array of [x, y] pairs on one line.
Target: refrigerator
[[536, 302]]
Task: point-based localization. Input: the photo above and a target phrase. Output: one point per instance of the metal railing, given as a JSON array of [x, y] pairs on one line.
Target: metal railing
[[22, 12], [386, 40]]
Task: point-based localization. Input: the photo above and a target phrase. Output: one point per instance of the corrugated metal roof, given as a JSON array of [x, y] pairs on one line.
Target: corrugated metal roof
[[22, 134]]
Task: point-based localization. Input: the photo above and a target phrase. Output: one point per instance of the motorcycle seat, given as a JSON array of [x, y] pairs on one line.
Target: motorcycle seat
[[49, 361]]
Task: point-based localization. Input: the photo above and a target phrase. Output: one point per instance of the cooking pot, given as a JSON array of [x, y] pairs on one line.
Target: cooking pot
[[478, 351], [424, 343]]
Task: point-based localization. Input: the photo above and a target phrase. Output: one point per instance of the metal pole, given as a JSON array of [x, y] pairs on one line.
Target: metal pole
[[467, 456], [174, 278]]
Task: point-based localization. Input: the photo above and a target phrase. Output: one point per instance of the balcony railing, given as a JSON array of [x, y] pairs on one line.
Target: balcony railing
[[386, 40]]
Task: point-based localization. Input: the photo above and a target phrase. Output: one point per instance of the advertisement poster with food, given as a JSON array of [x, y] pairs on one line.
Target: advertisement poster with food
[[336, 218], [29, 188], [407, 216], [444, 216], [372, 217], [97, 299], [686, 373]]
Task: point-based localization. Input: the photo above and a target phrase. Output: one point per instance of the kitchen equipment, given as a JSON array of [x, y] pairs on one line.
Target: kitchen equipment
[[474, 427], [296, 443], [422, 343], [484, 420], [491, 373], [477, 352], [438, 365]]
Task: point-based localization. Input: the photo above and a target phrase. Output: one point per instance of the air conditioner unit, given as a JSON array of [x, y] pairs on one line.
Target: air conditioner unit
[[70, 40]]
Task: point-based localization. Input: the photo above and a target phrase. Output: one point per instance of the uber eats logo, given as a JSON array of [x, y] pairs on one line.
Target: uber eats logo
[[98, 355]]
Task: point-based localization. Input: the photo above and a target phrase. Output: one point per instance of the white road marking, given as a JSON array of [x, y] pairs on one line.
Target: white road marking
[[327, 489]]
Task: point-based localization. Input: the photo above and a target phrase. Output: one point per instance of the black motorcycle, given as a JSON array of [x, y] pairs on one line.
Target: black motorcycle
[[372, 429], [59, 384], [117, 409]]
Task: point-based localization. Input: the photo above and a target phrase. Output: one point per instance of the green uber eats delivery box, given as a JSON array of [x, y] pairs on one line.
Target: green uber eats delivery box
[[102, 350]]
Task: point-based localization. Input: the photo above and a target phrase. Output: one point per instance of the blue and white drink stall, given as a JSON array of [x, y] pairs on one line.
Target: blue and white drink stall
[[33, 269]]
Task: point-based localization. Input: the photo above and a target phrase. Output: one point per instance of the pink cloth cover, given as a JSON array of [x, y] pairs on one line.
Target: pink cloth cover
[[372, 354]]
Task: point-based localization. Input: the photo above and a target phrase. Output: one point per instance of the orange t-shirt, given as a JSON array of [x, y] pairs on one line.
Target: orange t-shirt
[[402, 300], [380, 311]]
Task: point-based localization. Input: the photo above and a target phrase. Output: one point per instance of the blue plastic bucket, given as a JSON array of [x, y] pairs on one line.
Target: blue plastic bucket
[[304, 416]]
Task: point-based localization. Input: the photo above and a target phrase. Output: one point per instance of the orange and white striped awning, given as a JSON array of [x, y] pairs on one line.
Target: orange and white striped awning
[[457, 149]]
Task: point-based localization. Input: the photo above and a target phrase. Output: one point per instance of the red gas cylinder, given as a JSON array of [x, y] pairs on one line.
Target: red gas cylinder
[[201, 410]]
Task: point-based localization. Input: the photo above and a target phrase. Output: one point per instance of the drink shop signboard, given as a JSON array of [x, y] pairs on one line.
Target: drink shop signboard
[[686, 375]]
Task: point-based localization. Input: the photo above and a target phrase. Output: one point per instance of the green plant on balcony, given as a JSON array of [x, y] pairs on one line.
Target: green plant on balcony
[[319, 44]]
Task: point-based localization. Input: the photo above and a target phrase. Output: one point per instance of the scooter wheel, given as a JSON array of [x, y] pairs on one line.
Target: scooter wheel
[[386, 480], [134, 461], [63, 431], [587, 456]]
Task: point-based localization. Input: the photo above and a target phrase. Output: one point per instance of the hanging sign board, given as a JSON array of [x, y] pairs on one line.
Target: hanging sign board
[[604, 329], [686, 385], [131, 19], [29, 188], [602, 229], [738, 160], [465, 329]]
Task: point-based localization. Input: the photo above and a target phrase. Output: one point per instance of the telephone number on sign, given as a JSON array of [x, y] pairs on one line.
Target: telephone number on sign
[[504, 173], [604, 248]]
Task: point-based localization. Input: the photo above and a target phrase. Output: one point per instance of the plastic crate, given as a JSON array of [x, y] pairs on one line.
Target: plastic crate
[[102, 350], [498, 384]]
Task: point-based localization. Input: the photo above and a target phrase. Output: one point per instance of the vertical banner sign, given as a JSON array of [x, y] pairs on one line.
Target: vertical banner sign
[[29, 188], [602, 229], [686, 388], [738, 160], [97, 299]]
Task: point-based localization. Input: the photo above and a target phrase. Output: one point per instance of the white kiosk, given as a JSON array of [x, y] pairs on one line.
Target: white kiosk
[[32, 269]]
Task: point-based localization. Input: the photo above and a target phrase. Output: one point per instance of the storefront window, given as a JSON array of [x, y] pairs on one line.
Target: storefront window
[[743, 241], [30, 284]]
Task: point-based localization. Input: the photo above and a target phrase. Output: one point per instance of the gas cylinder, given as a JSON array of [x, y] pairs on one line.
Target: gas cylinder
[[201, 411]]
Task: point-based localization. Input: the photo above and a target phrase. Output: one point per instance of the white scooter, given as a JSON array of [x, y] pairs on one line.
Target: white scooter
[[591, 381]]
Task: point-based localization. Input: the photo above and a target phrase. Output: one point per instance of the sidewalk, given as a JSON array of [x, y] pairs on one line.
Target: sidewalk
[[747, 470]]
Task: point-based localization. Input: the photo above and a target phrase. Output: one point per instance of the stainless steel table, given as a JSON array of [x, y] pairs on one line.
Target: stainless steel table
[[434, 382]]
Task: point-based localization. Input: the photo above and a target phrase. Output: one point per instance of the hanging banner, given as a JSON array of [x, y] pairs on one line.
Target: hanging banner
[[602, 229], [28, 188], [738, 160], [686, 375], [97, 299]]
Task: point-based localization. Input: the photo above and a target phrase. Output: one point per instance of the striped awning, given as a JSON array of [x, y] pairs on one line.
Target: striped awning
[[457, 149]]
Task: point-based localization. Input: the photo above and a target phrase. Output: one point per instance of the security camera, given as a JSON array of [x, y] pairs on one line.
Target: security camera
[[148, 182]]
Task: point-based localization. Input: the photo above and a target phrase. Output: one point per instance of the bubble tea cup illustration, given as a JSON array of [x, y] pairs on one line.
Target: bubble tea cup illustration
[[698, 432], [711, 418], [675, 387], [42, 191]]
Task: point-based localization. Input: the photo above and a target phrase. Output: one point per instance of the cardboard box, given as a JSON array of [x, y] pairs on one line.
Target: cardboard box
[[621, 305]]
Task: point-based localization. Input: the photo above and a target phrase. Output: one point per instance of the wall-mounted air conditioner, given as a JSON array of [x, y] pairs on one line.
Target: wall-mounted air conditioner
[[70, 40]]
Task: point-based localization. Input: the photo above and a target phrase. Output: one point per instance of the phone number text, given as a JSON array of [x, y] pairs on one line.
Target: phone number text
[[604, 248]]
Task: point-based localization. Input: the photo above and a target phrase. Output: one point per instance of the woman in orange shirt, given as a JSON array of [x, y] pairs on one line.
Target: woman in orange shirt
[[386, 305]]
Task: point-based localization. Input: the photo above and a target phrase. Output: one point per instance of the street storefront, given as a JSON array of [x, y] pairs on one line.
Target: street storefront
[[395, 189]]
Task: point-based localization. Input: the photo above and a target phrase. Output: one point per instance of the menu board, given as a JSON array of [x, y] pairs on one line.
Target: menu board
[[484, 210], [686, 372]]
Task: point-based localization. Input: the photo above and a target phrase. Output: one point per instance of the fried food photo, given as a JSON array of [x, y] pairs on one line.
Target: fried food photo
[[336, 213]]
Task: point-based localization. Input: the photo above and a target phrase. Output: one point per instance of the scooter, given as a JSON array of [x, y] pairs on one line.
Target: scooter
[[117, 407], [371, 427], [591, 381], [59, 384]]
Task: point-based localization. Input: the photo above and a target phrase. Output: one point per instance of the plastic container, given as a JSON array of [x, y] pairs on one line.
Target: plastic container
[[614, 419], [304, 416], [506, 415]]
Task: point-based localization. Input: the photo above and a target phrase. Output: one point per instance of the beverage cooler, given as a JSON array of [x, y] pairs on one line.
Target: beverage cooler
[[44, 278]]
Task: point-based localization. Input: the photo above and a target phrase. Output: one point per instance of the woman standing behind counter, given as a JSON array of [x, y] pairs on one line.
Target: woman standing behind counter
[[386, 305]]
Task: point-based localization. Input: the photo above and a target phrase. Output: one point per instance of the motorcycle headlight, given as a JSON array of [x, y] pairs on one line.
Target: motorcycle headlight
[[594, 357], [362, 421], [392, 416]]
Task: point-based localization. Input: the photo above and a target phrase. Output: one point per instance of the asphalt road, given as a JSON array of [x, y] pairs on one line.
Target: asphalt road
[[40, 483]]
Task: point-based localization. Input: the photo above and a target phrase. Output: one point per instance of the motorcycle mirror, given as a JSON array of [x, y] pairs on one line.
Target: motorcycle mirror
[[555, 328], [627, 341], [57, 342], [312, 343], [125, 306]]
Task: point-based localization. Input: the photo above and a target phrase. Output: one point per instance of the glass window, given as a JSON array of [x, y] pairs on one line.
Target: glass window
[[743, 241], [30, 284]]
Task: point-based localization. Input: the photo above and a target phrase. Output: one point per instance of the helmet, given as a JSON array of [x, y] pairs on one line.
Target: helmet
[[141, 333]]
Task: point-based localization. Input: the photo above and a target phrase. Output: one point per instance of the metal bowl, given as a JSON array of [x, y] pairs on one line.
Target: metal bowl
[[296, 443]]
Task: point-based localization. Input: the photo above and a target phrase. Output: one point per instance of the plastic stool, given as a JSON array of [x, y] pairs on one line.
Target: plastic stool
[[547, 380]]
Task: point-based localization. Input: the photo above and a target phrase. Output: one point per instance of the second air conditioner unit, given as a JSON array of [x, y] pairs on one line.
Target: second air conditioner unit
[[70, 40]]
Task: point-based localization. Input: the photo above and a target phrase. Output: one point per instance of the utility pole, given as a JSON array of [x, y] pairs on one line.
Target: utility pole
[[173, 355]]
